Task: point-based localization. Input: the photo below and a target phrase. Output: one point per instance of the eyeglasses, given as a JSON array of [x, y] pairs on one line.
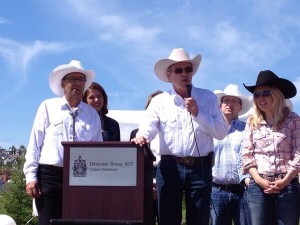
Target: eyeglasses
[[265, 93], [179, 70], [74, 79], [233, 101]]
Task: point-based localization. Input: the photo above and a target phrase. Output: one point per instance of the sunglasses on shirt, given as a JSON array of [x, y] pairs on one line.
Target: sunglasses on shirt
[[180, 70], [265, 93]]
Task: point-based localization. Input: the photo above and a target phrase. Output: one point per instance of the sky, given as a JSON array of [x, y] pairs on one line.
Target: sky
[[122, 40]]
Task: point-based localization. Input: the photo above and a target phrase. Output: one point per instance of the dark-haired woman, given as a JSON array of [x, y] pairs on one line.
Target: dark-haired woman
[[96, 97]]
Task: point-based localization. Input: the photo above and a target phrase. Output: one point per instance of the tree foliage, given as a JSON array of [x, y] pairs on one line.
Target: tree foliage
[[14, 200]]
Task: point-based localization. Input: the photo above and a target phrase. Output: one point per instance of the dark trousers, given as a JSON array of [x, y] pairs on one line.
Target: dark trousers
[[174, 179], [155, 201], [155, 212], [49, 205]]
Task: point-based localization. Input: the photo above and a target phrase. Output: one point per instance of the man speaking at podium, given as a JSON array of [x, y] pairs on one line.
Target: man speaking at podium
[[186, 119], [65, 118]]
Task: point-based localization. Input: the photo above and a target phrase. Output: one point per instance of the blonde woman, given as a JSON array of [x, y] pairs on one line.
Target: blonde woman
[[271, 152]]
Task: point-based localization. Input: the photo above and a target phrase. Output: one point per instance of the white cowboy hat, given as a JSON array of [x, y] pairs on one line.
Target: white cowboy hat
[[177, 55], [59, 72], [233, 90]]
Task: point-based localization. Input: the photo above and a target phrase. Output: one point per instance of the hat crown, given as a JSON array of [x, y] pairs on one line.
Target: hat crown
[[179, 54], [232, 90], [265, 76], [77, 64]]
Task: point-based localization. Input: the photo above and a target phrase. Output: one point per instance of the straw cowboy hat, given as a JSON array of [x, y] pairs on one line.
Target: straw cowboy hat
[[233, 90], [176, 56], [268, 78], [59, 72]]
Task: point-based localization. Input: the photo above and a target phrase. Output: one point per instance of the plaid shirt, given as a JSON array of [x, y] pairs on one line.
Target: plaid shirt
[[273, 152]]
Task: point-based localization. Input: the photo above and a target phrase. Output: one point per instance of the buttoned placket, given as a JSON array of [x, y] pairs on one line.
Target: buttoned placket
[[184, 121]]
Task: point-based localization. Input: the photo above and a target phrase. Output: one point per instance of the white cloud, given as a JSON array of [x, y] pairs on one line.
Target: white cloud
[[19, 55], [140, 34], [227, 35], [5, 21], [113, 26], [234, 45]]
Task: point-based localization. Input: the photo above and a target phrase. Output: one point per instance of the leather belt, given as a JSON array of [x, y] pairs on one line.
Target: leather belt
[[189, 160], [234, 188], [43, 167], [273, 177]]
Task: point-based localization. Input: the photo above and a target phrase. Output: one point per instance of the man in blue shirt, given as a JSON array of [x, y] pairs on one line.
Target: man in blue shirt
[[227, 193]]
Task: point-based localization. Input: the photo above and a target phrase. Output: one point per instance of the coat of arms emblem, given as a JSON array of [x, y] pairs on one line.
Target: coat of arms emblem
[[79, 167]]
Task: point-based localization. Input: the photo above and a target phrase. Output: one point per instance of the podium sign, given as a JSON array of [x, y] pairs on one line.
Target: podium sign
[[107, 181], [106, 167]]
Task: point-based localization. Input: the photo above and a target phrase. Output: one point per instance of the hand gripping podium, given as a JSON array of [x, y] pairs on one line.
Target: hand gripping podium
[[107, 183]]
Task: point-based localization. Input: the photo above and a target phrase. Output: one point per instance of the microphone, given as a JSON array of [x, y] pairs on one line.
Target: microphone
[[189, 90], [189, 93]]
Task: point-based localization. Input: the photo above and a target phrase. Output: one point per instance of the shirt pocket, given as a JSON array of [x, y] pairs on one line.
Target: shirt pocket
[[261, 140], [84, 132], [56, 128], [280, 141]]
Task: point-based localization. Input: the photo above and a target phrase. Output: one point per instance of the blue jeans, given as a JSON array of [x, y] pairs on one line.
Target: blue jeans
[[246, 207], [175, 179], [282, 207], [227, 207]]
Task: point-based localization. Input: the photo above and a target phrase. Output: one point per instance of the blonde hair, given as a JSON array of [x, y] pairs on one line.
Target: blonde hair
[[278, 109]]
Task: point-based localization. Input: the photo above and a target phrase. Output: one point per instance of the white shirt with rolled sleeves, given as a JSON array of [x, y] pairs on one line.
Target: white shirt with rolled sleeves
[[54, 124], [168, 117]]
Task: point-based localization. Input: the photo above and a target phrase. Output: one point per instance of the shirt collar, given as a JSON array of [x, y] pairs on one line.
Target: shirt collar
[[235, 125], [178, 100], [65, 105], [233, 122], [263, 122]]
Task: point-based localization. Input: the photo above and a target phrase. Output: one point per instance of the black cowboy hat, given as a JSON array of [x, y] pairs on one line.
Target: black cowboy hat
[[268, 78]]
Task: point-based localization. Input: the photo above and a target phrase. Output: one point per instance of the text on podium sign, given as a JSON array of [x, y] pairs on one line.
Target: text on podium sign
[[108, 166]]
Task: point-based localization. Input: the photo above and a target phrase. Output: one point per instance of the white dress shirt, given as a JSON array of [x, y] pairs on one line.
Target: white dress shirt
[[178, 129], [54, 124]]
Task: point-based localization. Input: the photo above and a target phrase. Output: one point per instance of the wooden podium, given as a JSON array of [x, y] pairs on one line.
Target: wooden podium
[[127, 197]]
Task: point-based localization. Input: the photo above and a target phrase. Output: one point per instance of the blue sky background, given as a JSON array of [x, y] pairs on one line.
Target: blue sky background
[[122, 40]]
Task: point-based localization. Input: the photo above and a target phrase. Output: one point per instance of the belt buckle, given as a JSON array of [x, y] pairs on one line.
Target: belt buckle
[[273, 178], [227, 188], [278, 177], [188, 161]]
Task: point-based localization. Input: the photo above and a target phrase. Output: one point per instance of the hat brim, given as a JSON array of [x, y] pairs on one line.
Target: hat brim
[[58, 74], [287, 88], [162, 65], [246, 102]]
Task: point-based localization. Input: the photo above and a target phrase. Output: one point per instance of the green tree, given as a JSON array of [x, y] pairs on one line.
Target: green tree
[[14, 200]]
